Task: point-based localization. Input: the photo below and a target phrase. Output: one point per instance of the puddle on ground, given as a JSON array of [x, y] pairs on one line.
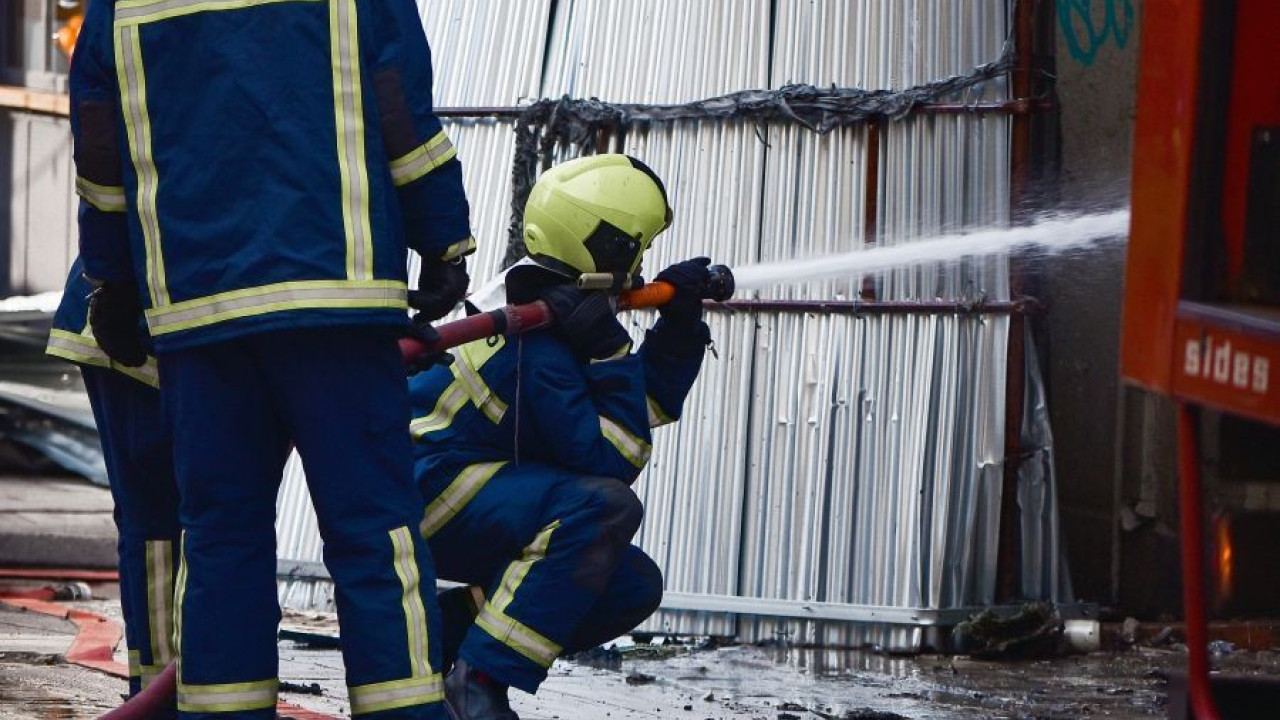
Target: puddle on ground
[[810, 684]]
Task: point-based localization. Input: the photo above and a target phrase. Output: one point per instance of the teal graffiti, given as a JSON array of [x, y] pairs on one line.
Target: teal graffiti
[[1086, 33]]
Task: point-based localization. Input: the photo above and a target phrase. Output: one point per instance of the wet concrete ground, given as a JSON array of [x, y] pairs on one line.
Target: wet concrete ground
[[683, 683]]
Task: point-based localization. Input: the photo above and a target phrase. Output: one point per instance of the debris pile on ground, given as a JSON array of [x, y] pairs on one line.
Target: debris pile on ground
[[1034, 631]]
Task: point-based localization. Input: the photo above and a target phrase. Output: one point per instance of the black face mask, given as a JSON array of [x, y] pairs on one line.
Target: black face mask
[[612, 250]]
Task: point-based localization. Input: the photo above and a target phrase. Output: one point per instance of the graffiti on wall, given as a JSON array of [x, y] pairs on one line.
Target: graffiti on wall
[[1088, 25]]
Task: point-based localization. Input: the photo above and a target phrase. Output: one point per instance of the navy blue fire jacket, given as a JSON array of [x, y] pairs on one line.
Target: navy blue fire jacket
[[259, 164], [528, 398]]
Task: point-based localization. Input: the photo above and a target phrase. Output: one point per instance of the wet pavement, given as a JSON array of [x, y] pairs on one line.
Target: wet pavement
[[680, 682]]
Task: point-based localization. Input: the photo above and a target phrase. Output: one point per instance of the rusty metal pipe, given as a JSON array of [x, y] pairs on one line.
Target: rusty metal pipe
[[876, 307]]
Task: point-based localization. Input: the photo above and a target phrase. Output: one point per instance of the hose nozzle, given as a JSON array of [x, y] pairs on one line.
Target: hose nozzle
[[720, 285]]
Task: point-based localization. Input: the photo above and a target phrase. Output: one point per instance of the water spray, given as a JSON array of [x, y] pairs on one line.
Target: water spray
[[1049, 235]]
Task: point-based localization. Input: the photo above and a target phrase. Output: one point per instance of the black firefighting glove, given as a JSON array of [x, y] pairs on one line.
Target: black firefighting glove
[[115, 315], [689, 278], [423, 332], [441, 286], [585, 320]]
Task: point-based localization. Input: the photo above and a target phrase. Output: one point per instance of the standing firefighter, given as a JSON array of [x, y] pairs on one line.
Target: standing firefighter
[[528, 445], [252, 172], [138, 452]]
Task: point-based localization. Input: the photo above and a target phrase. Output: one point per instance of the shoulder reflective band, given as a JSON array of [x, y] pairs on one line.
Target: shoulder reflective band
[[105, 198], [635, 450], [348, 110], [301, 295], [425, 158]]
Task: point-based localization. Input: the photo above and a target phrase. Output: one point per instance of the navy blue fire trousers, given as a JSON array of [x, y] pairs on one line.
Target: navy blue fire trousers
[[235, 407]]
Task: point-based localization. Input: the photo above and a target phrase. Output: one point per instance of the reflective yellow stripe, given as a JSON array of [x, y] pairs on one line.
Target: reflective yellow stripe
[[518, 636], [149, 674], [460, 248], [441, 416], [619, 353], [348, 108], [491, 405], [137, 12], [301, 295], [657, 418], [422, 159], [179, 596], [415, 614], [456, 496], [229, 697], [395, 694], [635, 450], [133, 88], [107, 198], [159, 554], [83, 349], [506, 630], [472, 357], [146, 673], [467, 384], [517, 570]]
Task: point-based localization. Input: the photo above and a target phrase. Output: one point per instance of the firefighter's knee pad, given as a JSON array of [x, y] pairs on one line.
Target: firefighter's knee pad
[[614, 506], [611, 516]]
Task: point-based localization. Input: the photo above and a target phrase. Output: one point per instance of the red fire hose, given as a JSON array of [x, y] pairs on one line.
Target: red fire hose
[[156, 700], [1199, 689]]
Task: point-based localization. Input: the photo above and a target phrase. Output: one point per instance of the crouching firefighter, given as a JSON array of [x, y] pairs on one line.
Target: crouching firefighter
[[528, 444]]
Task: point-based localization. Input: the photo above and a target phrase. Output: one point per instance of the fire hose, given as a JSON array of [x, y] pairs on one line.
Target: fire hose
[[516, 319], [158, 696]]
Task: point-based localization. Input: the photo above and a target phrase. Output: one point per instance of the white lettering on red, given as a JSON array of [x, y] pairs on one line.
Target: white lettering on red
[[1219, 362]]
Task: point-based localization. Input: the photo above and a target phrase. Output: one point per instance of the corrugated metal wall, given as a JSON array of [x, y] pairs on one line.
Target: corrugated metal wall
[[833, 459], [825, 459]]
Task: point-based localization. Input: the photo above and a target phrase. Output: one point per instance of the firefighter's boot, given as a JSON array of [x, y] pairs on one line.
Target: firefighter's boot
[[472, 695]]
